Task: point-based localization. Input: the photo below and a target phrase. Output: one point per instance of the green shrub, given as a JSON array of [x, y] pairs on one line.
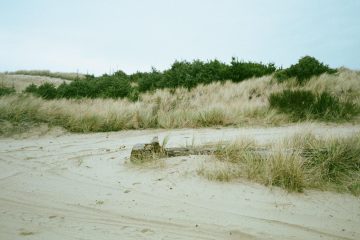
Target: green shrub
[[77, 89], [46, 91], [148, 81], [301, 104], [116, 87], [305, 68], [6, 90], [32, 88], [181, 74], [190, 74], [240, 70]]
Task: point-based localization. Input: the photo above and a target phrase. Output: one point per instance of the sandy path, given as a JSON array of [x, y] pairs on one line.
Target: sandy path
[[77, 186]]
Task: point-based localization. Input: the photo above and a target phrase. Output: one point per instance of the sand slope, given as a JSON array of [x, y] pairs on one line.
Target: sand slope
[[20, 82], [77, 186]]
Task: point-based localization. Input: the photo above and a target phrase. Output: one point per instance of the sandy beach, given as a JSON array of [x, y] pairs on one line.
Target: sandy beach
[[82, 186]]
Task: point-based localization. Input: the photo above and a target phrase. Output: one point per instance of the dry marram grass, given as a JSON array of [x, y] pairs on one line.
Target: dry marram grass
[[302, 161]]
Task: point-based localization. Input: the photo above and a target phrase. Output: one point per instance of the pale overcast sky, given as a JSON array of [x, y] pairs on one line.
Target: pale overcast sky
[[99, 36]]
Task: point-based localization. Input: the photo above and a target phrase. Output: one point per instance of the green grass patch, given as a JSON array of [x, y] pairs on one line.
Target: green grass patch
[[302, 104]]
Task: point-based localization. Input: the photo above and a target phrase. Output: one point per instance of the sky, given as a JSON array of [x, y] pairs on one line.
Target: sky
[[102, 36]]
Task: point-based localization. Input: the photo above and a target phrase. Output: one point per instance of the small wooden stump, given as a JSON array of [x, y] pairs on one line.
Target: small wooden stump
[[144, 150]]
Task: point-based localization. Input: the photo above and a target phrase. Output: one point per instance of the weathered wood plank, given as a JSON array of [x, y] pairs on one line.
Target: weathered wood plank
[[144, 150]]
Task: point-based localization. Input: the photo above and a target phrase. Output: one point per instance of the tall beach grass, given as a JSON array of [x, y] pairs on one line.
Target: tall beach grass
[[216, 104]]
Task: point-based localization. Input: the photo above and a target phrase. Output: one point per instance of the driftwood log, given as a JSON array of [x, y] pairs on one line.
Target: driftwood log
[[144, 150]]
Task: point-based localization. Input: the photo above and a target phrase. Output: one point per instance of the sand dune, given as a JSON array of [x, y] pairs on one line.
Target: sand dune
[[81, 186], [20, 82]]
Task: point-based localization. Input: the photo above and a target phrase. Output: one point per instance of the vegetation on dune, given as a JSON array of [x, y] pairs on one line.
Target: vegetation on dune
[[116, 86], [204, 94], [214, 104], [117, 102], [181, 74], [306, 68], [6, 90], [301, 162], [210, 105], [304, 104]]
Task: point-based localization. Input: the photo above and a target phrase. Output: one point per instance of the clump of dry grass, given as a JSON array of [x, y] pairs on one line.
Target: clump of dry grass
[[300, 162], [220, 171], [332, 163], [285, 170]]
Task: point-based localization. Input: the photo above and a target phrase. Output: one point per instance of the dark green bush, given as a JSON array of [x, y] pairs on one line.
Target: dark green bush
[[113, 87], [301, 104], [305, 68], [148, 81], [190, 74], [294, 102], [6, 90], [181, 74], [240, 70], [46, 91], [77, 89], [32, 88]]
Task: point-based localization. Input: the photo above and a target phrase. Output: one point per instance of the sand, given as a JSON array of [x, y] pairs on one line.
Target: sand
[[82, 186], [20, 82]]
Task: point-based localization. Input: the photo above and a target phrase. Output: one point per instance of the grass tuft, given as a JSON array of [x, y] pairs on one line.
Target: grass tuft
[[301, 162], [285, 170]]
